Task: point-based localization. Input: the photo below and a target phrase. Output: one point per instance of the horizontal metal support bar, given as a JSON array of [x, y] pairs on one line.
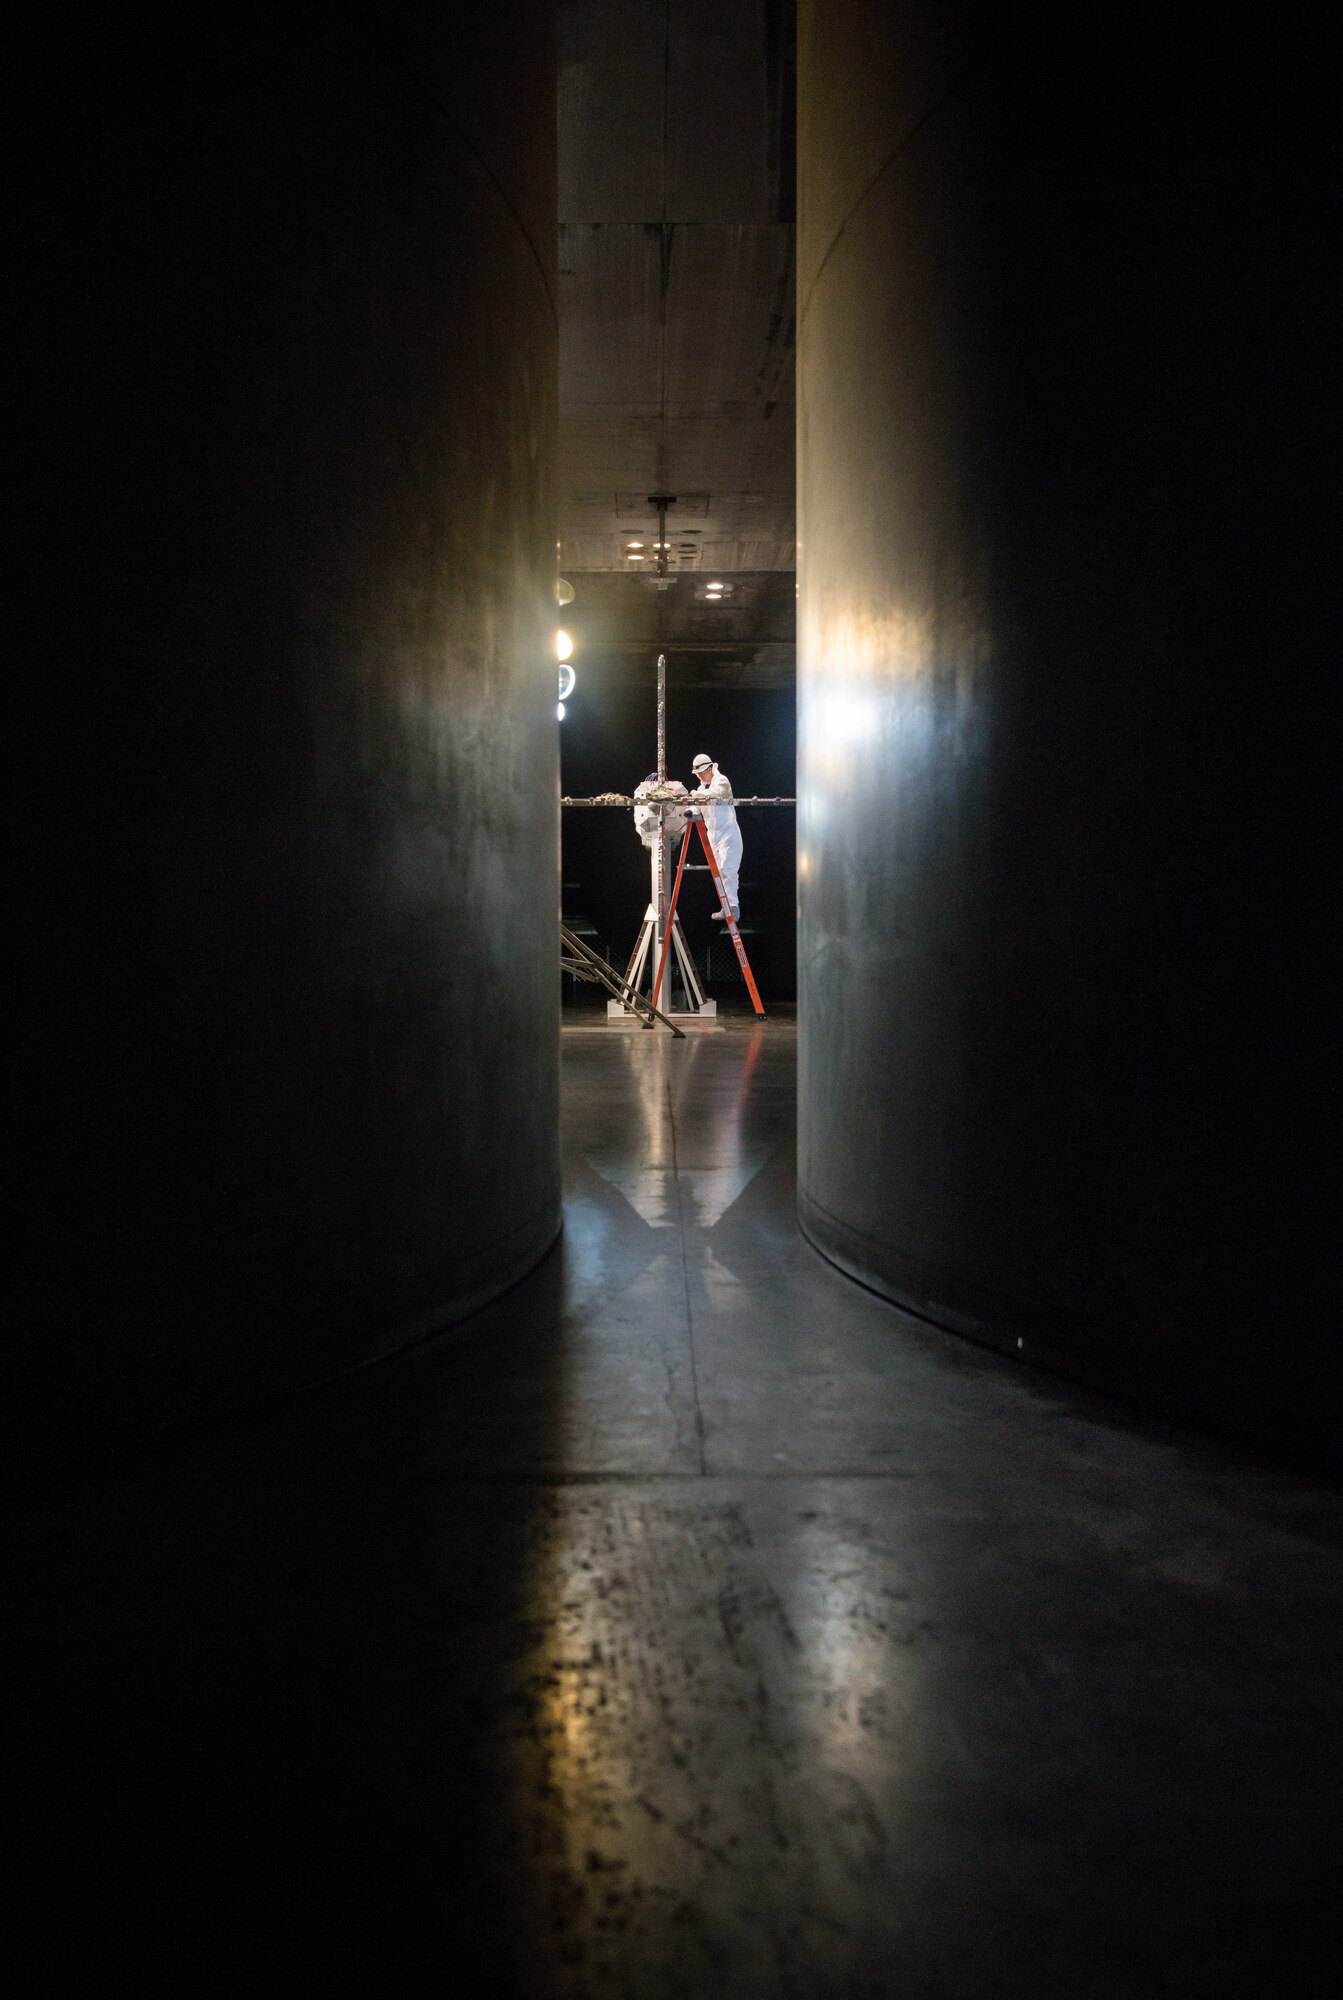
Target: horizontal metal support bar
[[672, 804], [672, 646]]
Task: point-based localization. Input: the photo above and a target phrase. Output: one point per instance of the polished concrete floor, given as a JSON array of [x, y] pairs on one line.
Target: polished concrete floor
[[692, 1623]]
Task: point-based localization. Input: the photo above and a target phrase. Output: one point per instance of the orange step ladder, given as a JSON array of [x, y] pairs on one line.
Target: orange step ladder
[[697, 825]]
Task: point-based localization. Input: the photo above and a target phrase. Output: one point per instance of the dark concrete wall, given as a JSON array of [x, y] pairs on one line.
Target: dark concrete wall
[[285, 810], [1066, 454]]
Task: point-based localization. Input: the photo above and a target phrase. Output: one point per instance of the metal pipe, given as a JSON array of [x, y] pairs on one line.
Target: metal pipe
[[660, 871], [662, 501], [662, 719], [668, 804]]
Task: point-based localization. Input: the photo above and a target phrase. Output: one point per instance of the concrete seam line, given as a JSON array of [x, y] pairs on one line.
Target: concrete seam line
[[468, 146], [685, 1284], [426, 1327], [263, 1399], [921, 1305], [906, 140]]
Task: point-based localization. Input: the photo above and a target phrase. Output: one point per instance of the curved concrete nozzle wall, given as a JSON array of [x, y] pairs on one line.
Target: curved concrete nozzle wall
[[1063, 429], [288, 382]]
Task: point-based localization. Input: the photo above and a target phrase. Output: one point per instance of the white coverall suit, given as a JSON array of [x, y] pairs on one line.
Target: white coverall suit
[[720, 823]]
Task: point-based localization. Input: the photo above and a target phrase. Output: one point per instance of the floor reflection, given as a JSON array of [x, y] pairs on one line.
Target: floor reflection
[[690, 1622]]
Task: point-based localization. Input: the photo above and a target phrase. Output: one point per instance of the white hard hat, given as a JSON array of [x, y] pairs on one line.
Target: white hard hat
[[700, 763]]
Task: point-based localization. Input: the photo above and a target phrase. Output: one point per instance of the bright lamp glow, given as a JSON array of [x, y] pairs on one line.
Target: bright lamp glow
[[564, 645], [559, 710], [567, 679]]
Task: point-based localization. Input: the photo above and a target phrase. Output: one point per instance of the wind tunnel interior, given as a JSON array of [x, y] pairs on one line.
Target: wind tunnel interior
[[288, 504], [692, 1620]]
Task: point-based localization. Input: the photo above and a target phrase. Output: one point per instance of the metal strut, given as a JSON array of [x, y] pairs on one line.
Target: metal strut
[[584, 963]]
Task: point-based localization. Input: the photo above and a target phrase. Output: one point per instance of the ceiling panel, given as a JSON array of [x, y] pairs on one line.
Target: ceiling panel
[[729, 312], [611, 316], [718, 150], [676, 282], [615, 611], [612, 70], [673, 113]]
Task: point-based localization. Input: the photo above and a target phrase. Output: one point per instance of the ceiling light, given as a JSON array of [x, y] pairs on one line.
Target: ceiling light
[[564, 645], [634, 545]]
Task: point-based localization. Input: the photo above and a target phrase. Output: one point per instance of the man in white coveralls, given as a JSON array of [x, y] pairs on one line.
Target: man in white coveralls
[[714, 799]]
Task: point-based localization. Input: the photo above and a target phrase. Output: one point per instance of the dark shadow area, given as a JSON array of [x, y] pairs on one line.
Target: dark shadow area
[[266, 1697], [1067, 627], [278, 599], [691, 1622]]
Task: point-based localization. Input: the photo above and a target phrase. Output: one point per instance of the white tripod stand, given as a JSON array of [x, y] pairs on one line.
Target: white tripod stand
[[647, 953]]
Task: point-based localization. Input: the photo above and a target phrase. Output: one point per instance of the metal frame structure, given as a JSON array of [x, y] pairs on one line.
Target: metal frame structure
[[584, 963], [660, 929], [660, 932]]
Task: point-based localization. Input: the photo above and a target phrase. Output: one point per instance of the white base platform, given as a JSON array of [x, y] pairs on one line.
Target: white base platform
[[615, 1010]]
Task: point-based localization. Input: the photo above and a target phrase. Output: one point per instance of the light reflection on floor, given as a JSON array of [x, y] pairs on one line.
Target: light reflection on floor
[[692, 1622]]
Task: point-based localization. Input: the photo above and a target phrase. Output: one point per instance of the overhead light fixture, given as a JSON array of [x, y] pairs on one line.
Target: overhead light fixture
[[634, 545], [564, 645]]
